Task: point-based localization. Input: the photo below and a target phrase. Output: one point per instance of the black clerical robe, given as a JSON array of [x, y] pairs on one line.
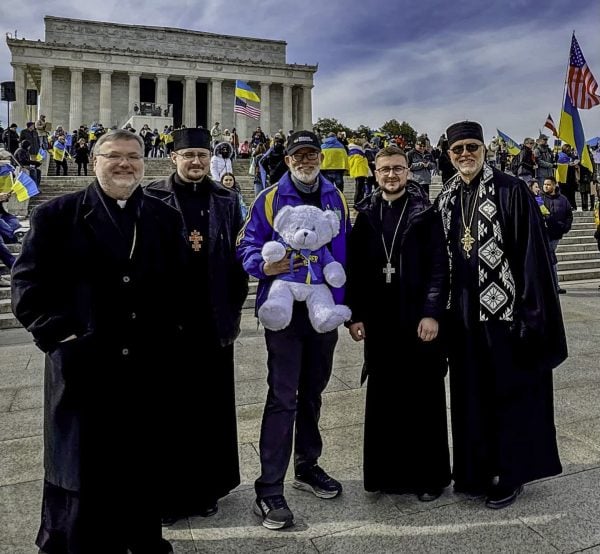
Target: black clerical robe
[[204, 464], [406, 440], [500, 378]]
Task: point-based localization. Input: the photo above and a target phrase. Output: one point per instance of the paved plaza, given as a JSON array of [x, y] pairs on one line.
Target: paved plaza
[[560, 514]]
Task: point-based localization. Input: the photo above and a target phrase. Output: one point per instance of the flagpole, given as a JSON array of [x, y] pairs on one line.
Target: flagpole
[[562, 108]]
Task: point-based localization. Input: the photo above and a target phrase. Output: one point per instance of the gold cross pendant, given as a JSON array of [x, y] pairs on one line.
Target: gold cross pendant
[[467, 242], [196, 240]]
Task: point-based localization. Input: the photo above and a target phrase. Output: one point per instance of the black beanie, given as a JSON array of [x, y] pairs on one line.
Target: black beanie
[[464, 130]]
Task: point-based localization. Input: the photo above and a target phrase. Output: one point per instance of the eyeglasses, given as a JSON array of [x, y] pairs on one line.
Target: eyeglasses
[[310, 156], [189, 156], [118, 158], [397, 170], [471, 147]]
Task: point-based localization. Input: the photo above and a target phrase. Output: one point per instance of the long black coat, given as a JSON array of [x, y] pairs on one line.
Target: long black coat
[[406, 438], [104, 395], [206, 468]]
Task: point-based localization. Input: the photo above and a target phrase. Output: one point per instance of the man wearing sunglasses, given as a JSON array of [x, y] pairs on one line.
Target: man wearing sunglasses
[[215, 286], [505, 326], [300, 359]]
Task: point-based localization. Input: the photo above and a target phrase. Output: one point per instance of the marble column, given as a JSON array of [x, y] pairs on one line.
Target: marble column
[[161, 91], [296, 116], [307, 122], [105, 116], [287, 108], [189, 107], [18, 109], [46, 93], [134, 91], [75, 104], [265, 108], [216, 104]]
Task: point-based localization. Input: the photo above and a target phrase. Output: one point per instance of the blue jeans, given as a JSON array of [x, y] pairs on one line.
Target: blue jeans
[[336, 176]]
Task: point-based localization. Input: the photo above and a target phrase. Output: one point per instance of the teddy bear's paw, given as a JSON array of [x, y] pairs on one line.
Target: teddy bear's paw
[[274, 318], [332, 319]]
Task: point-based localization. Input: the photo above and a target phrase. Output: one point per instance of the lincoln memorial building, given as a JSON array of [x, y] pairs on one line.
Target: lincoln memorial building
[[88, 71]]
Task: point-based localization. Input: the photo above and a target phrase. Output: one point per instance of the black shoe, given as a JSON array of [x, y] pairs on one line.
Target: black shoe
[[561, 291], [501, 496], [429, 495], [315, 480], [274, 511], [167, 521], [166, 547], [209, 510]]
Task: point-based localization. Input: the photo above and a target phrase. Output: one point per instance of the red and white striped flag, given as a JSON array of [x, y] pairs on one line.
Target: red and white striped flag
[[550, 125], [243, 108], [581, 83]]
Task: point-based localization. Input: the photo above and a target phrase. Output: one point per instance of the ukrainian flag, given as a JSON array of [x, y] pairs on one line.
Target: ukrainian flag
[[24, 187], [570, 131], [6, 177], [243, 90], [41, 155], [58, 151], [512, 147]]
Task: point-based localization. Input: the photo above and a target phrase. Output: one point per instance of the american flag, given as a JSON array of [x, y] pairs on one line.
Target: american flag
[[582, 85], [243, 108], [550, 125]]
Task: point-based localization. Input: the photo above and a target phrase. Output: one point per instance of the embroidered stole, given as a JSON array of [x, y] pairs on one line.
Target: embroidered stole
[[496, 283]]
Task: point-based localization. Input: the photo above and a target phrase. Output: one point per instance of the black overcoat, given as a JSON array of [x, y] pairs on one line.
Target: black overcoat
[[104, 395]]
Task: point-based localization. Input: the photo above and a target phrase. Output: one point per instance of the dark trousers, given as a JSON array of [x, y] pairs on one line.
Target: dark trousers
[[336, 176], [63, 164], [81, 165], [299, 367]]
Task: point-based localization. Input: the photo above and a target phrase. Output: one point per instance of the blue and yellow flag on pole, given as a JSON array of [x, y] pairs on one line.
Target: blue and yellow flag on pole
[[24, 187], [511, 145], [6, 177], [570, 131], [41, 155], [243, 90]]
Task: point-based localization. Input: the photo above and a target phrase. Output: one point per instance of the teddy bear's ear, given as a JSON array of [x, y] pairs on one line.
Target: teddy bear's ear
[[333, 221], [281, 218]]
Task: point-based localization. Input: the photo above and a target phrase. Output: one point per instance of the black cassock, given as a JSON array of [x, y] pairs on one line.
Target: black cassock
[[500, 371], [406, 438]]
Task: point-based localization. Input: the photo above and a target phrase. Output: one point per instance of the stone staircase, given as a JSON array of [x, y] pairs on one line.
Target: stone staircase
[[578, 256]]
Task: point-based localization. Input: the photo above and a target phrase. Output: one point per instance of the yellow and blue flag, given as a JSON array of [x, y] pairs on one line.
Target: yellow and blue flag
[[41, 155], [243, 90], [6, 177], [58, 151], [570, 131], [511, 145], [24, 187]]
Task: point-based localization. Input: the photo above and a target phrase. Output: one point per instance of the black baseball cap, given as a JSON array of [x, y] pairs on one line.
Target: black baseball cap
[[302, 139]]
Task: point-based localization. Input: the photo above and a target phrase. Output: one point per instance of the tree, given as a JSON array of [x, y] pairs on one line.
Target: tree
[[403, 129], [331, 125], [364, 131]]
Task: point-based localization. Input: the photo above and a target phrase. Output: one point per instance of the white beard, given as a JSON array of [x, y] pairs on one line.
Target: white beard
[[308, 177]]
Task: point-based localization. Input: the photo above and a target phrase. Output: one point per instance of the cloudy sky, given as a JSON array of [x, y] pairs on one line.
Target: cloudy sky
[[428, 62]]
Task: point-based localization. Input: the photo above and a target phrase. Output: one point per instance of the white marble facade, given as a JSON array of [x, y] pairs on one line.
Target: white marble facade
[[88, 71]]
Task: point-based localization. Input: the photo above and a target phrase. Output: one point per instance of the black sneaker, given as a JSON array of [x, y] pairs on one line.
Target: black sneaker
[[315, 480], [274, 511]]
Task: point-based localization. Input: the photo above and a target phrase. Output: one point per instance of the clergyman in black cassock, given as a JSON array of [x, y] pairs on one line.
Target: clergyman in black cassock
[[505, 326], [397, 290], [204, 464]]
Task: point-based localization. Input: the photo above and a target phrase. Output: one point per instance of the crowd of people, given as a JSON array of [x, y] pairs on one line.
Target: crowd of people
[[465, 284]]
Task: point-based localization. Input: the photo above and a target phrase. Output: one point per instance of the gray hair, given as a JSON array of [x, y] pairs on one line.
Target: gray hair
[[119, 134]]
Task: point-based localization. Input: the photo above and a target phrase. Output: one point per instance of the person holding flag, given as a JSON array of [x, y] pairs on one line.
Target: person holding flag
[[60, 153], [28, 164]]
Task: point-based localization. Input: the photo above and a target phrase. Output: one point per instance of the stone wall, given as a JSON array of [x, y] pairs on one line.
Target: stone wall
[[162, 39]]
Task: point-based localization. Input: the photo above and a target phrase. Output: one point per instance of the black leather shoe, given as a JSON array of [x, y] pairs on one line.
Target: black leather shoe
[[167, 521], [166, 546], [561, 291], [501, 496], [430, 495], [209, 510]]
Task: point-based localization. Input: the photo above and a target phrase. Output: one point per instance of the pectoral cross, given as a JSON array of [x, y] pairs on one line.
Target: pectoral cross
[[388, 270], [467, 241], [196, 240]]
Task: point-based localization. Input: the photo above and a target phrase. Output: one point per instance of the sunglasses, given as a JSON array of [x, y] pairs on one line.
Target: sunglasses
[[471, 147]]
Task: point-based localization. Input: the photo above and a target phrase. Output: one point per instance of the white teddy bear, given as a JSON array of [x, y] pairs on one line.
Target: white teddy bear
[[304, 230]]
